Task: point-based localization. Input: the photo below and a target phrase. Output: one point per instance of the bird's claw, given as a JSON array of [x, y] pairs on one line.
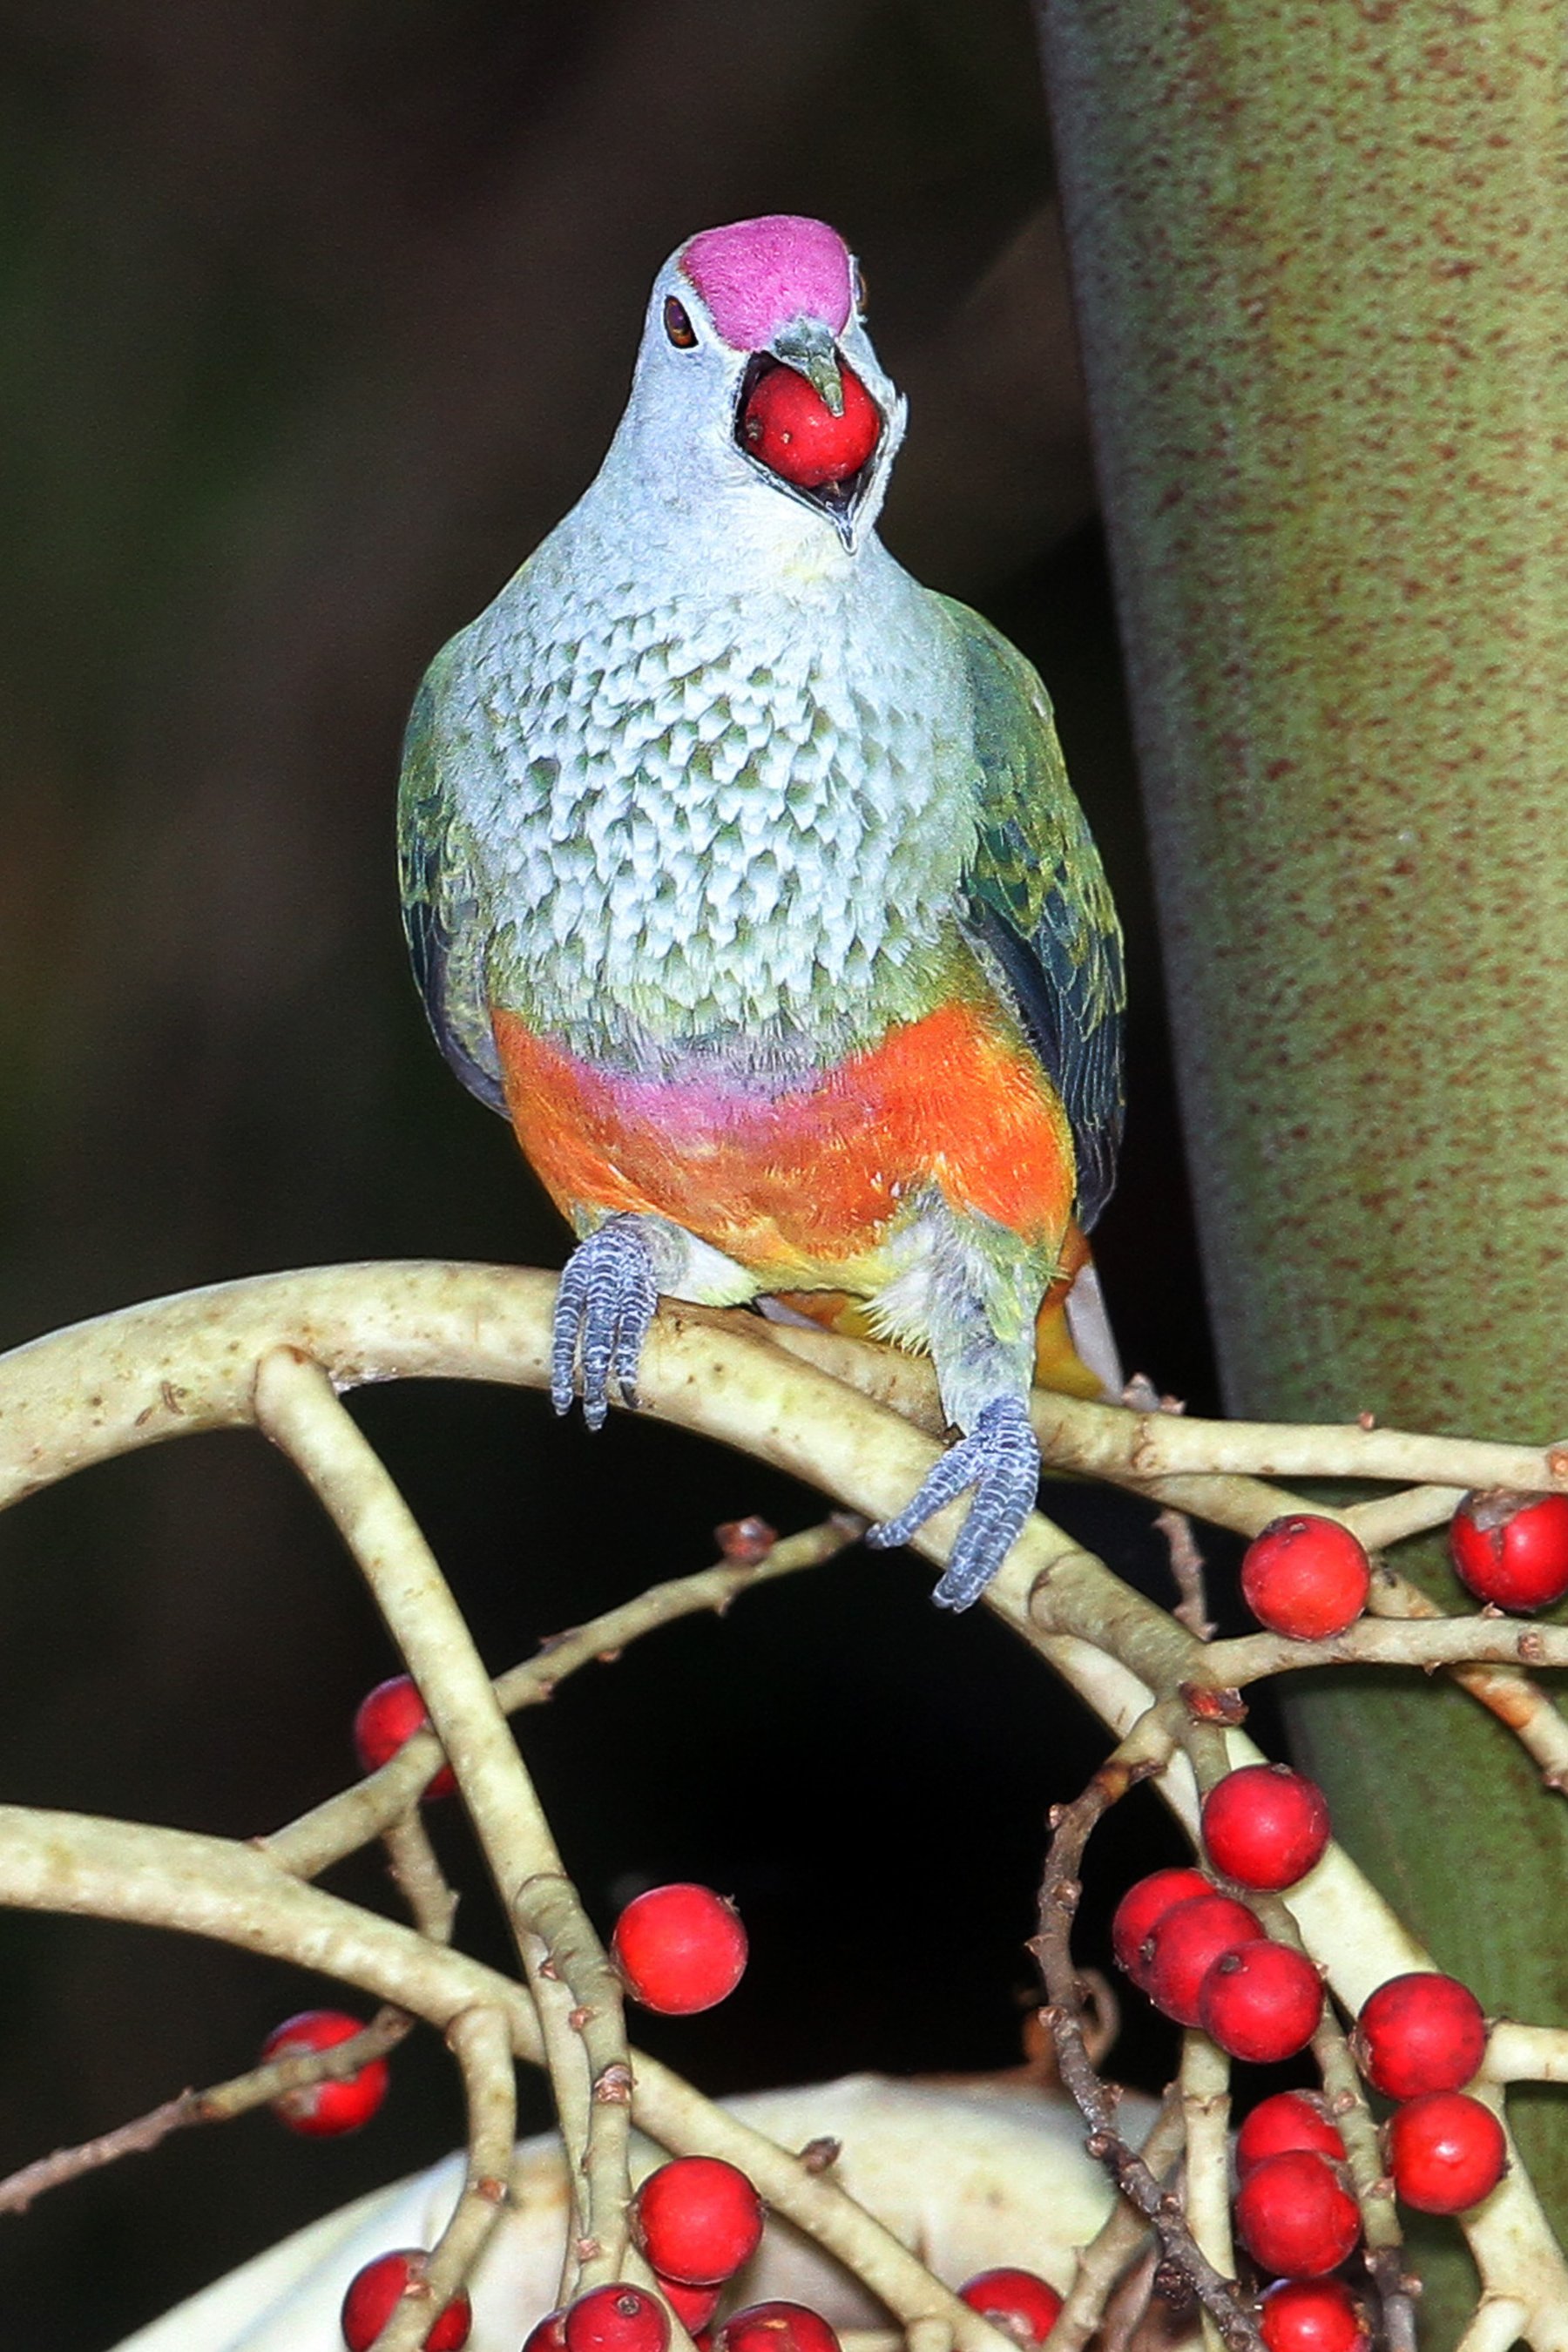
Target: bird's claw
[[1000, 1458], [604, 1307]]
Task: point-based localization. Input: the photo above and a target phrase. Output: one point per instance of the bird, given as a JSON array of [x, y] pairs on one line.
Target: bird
[[740, 872]]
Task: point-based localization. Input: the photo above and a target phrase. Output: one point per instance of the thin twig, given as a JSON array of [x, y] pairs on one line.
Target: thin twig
[[1128, 2305], [20, 2189], [259, 2087], [344, 1823], [1187, 1567], [1424, 1643], [566, 2065], [1101, 2263], [1142, 1753]]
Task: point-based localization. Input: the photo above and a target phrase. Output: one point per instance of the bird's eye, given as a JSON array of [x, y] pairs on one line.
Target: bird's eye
[[859, 290], [678, 325]]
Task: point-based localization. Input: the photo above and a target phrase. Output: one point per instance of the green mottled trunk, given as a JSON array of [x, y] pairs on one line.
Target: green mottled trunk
[[1322, 254]]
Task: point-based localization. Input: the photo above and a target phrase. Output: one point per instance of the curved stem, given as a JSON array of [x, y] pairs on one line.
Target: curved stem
[[183, 1364], [480, 2040], [586, 2045]]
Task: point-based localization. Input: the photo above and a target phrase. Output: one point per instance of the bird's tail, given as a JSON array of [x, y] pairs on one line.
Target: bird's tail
[[1075, 1350]]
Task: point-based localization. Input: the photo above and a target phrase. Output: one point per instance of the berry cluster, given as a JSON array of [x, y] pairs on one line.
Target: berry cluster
[[1418, 2038], [680, 1949], [1202, 1956], [1199, 1951]]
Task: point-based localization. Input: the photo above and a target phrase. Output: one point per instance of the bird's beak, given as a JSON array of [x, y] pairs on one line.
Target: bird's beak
[[807, 346]]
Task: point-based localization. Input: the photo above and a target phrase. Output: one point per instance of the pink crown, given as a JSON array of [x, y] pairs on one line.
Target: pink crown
[[756, 275]]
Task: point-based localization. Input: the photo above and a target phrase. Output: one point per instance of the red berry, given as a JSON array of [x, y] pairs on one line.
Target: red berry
[[1018, 2302], [1420, 2033], [1293, 2217], [392, 1713], [1512, 1550], [1446, 2151], [374, 2292], [1306, 1576], [547, 2335], [697, 2220], [1265, 1825], [693, 2306], [325, 2110], [1185, 1944], [1261, 2003], [790, 428], [1142, 1907], [776, 2327], [619, 2317], [1311, 2316], [679, 1948], [1291, 2119]]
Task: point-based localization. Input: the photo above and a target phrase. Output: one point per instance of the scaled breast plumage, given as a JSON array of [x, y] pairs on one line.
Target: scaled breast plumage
[[705, 815]]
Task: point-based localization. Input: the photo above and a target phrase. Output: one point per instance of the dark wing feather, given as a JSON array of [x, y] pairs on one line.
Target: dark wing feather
[[442, 917], [1037, 904]]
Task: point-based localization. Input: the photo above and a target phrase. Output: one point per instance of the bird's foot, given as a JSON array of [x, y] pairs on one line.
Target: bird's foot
[[1000, 1458], [603, 1310]]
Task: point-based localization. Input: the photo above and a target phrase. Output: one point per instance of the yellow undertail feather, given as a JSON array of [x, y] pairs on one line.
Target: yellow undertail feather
[[1058, 1364]]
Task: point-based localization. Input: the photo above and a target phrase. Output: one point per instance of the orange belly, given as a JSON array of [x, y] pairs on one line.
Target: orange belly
[[802, 1187]]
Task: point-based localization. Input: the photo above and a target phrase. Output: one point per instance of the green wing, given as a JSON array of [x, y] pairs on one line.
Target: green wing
[[443, 915], [1036, 898]]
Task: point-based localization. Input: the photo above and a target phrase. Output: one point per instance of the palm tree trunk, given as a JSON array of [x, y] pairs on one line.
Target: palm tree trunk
[[1320, 253]]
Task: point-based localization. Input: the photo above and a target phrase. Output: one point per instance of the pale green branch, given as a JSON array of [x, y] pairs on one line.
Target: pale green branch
[[83, 1865], [480, 2040]]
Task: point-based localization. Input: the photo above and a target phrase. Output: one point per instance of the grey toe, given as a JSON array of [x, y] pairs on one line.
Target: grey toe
[[1001, 1460], [605, 1303]]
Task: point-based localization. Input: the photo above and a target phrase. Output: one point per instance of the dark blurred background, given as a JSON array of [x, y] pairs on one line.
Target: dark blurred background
[[315, 317]]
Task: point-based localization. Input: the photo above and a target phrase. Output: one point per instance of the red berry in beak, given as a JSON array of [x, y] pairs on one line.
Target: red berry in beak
[[792, 430]]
